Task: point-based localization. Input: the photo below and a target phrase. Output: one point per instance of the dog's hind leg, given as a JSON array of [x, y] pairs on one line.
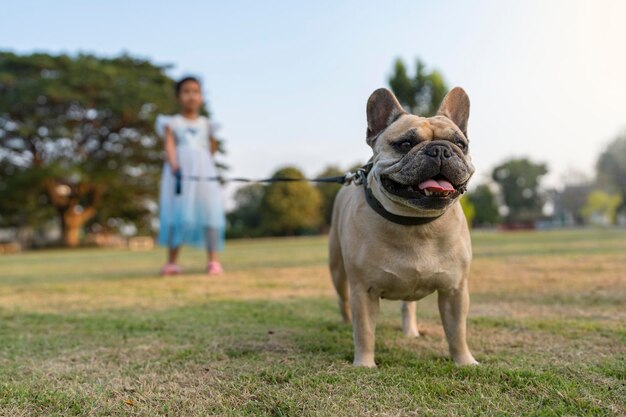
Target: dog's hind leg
[[409, 320], [338, 273]]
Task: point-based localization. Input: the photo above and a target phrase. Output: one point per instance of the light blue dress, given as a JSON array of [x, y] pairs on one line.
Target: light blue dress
[[195, 216]]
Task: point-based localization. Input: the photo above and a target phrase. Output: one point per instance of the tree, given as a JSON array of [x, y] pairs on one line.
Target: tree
[[486, 206], [76, 138], [290, 208], [245, 219], [611, 168], [421, 93], [519, 184], [328, 191], [601, 205]]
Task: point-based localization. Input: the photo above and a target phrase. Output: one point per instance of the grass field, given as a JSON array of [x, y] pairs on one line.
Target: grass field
[[98, 332]]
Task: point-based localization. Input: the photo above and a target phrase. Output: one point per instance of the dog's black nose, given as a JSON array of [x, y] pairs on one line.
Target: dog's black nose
[[438, 150]]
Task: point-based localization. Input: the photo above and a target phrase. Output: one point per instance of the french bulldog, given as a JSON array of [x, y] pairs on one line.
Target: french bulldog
[[402, 234]]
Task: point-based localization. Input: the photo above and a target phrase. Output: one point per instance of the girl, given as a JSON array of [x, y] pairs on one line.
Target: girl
[[192, 213]]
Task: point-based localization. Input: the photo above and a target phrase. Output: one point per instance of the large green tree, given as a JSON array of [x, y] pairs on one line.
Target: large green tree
[[76, 138], [611, 168], [290, 208], [420, 93], [519, 184]]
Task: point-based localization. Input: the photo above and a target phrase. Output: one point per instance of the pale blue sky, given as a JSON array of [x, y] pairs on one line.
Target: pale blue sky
[[288, 81]]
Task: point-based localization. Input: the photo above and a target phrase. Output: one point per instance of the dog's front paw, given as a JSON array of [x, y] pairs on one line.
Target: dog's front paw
[[412, 333], [466, 360], [364, 363]]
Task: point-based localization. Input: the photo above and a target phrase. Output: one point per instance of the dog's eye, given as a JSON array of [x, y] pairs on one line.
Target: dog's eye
[[405, 146], [461, 144]]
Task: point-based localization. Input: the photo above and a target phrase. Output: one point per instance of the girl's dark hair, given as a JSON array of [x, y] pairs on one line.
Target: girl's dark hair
[[182, 81]]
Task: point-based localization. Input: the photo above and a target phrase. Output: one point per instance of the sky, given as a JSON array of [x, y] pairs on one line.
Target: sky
[[288, 81]]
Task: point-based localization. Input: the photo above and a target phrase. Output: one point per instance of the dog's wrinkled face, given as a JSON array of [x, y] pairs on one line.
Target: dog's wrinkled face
[[421, 165]]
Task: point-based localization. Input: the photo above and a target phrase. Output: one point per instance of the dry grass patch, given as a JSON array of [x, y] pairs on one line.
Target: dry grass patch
[[162, 293]]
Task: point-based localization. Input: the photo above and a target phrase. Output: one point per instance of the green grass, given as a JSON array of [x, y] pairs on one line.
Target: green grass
[[98, 332]]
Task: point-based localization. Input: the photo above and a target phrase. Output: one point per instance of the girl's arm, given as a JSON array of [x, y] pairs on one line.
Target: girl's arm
[[170, 149], [213, 142]]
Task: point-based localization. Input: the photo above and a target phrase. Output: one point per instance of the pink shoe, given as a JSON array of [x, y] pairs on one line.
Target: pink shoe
[[171, 269], [214, 268]]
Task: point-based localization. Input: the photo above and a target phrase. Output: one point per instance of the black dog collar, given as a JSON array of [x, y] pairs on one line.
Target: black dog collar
[[395, 218]]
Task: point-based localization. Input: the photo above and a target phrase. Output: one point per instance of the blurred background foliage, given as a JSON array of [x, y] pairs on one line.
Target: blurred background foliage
[[78, 153], [77, 139]]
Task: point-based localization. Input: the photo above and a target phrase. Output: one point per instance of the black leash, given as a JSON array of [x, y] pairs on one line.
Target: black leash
[[342, 179], [359, 177]]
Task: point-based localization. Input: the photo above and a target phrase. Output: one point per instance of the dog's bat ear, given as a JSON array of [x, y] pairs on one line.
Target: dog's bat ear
[[382, 110], [456, 107]]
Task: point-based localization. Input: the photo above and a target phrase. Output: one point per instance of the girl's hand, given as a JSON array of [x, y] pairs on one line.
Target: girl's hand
[[170, 149]]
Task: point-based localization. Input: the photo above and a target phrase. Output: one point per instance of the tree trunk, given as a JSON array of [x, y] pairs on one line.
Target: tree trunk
[[66, 198], [71, 235], [73, 220]]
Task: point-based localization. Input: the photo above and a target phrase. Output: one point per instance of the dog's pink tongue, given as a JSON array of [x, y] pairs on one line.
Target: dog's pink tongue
[[436, 185]]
